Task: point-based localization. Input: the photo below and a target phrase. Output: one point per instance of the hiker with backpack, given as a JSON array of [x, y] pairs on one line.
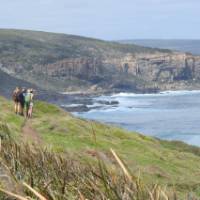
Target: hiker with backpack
[[15, 97], [30, 111], [18, 98], [21, 101], [28, 99]]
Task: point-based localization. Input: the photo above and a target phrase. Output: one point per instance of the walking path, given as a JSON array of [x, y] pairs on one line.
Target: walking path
[[29, 134]]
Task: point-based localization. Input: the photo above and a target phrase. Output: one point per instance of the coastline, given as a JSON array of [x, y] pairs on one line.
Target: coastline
[[171, 115], [84, 101]]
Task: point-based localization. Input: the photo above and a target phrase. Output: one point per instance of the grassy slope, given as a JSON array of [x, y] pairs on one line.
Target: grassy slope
[[163, 162], [36, 47], [26, 49]]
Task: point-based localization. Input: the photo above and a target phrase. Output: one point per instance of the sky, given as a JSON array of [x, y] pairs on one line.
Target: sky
[[106, 19]]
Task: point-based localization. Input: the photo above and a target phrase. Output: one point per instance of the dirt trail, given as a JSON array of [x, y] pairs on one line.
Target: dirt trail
[[29, 134]]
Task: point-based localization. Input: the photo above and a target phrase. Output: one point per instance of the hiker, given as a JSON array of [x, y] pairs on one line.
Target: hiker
[[30, 110], [28, 98], [21, 101], [15, 97]]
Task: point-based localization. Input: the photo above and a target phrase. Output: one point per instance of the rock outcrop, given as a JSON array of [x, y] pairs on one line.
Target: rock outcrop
[[158, 70], [68, 63]]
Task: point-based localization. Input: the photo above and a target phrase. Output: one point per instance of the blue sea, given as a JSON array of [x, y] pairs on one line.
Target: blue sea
[[170, 115]]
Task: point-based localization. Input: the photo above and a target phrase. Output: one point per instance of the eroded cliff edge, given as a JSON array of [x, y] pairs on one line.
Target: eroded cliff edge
[[71, 63], [140, 72]]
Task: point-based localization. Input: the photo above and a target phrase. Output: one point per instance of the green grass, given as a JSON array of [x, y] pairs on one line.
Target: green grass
[[13, 121], [171, 163], [37, 47]]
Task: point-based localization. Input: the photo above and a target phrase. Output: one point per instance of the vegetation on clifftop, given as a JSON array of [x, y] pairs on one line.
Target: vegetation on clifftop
[[27, 55], [37, 47]]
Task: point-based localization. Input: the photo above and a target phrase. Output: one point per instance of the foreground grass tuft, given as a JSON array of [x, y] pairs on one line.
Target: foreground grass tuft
[[60, 177]]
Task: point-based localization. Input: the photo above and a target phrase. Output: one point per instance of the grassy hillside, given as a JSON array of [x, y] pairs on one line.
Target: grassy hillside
[[167, 163], [27, 55], [35, 47]]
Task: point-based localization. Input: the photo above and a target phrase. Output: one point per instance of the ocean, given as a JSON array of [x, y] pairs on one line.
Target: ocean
[[170, 115]]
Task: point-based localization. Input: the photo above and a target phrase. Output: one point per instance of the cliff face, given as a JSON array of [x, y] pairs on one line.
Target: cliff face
[[133, 72], [66, 63], [158, 70], [162, 67]]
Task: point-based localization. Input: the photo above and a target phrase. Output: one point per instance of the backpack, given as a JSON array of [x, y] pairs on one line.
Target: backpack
[[27, 97], [15, 96]]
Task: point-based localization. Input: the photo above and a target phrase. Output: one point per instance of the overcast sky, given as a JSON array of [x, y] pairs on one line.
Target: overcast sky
[[106, 19]]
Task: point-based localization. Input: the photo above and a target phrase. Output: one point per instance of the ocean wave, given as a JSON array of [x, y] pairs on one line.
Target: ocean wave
[[164, 93], [71, 105]]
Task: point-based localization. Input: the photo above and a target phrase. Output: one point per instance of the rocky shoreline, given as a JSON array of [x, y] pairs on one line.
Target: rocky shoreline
[[86, 101], [88, 105]]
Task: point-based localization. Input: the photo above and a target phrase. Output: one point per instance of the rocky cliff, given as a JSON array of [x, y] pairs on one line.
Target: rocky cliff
[[68, 63], [144, 71]]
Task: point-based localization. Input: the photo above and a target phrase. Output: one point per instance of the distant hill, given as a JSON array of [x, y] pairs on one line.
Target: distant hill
[[31, 47], [63, 63], [191, 46]]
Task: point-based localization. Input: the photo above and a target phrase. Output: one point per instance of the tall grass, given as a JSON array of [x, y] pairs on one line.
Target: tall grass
[[43, 174]]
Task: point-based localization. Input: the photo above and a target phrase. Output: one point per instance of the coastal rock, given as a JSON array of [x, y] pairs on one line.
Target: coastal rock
[[108, 102], [66, 63], [134, 72]]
